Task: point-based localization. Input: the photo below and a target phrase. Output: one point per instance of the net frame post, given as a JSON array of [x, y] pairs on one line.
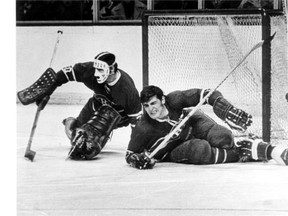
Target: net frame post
[[145, 56], [266, 78], [267, 73]]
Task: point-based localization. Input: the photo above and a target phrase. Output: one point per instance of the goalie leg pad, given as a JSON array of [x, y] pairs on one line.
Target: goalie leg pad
[[45, 85], [103, 100], [91, 137]]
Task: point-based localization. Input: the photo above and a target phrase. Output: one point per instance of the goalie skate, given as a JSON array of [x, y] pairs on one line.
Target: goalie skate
[[78, 144]]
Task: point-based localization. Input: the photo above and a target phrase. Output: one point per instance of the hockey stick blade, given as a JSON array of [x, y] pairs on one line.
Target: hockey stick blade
[[29, 154], [166, 139]]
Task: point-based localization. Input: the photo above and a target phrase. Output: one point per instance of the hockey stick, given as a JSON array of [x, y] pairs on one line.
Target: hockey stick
[[176, 130], [30, 154]]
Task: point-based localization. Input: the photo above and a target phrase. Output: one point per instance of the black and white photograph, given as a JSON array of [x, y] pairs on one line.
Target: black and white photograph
[[148, 107]]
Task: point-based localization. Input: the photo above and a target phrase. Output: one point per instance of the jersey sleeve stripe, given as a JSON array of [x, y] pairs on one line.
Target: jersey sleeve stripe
[[66, 76], [73, 74], [135, 114]]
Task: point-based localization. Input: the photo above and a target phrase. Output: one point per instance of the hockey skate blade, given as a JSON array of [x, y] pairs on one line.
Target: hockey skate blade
[[29, 154]]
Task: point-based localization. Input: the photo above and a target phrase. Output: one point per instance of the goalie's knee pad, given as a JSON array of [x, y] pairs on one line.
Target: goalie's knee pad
[[91, 137]]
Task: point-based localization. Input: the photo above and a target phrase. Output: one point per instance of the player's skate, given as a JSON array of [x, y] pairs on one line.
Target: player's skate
[[77, 145]]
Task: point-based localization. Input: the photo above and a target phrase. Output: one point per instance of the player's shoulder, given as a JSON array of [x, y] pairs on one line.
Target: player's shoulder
[[183, 93], [125, 75], [174, 94], [126, 81], [143, 124], [84, 66], [175, 97], [84, 69]]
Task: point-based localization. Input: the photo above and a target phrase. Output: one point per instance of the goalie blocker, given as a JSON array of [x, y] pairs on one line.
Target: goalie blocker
[[44, 86]]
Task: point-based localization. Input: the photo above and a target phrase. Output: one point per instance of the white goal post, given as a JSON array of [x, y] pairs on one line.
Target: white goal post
[[195, 49]]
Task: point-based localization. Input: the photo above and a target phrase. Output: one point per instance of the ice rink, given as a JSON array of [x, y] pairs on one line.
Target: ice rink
[[53, 186], [108, 186]]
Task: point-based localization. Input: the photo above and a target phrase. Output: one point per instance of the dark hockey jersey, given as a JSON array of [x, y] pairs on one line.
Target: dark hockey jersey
[[147, 131], [123, 93]]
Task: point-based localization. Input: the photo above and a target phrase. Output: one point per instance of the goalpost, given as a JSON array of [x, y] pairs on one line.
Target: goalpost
[[197, 48]]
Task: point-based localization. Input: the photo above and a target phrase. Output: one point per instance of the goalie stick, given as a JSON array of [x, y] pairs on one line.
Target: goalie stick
[[178, 128], [30, 154]]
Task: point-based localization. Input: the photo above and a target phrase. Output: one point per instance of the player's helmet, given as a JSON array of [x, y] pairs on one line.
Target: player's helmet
[[103, 63]]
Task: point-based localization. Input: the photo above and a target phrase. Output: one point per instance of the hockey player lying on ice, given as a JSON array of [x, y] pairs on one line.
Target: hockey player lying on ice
[[201, 140], [115, 102]]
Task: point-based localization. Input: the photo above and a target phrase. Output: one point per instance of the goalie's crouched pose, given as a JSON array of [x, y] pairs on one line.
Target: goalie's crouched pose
[[200, 141], [115, 102]]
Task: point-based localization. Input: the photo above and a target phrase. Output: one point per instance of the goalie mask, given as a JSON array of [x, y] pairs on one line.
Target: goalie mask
[[103, 64]]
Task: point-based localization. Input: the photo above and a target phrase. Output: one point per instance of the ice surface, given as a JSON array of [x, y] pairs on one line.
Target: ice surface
[[108, 186]]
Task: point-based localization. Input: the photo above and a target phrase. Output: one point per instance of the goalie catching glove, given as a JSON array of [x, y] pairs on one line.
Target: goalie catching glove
[[139, 161], [234, 117]]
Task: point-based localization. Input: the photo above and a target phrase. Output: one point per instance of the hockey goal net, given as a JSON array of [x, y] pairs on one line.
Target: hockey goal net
[[196, 49]]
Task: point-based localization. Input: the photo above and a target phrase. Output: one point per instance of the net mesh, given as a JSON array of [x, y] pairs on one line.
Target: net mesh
[[198, 51]]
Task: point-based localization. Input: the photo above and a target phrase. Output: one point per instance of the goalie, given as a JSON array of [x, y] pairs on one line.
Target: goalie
[[200, 141], [115, 102]]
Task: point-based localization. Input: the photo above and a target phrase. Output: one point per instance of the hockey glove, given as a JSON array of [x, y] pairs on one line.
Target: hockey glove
[[234, 117], [252, 149], [140, 161]]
